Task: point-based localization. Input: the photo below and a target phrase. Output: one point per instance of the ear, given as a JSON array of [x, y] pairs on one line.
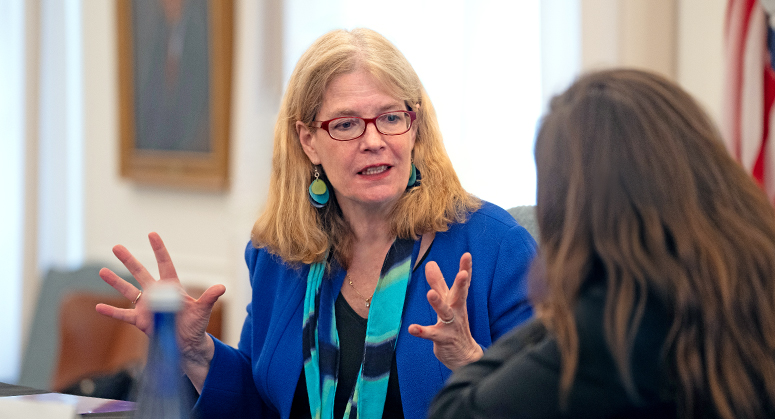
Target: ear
[[307, 142], [413, 136], [415, 125]]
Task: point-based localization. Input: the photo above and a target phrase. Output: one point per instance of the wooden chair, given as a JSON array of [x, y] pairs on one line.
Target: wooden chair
[[92, 345], [42, 348]]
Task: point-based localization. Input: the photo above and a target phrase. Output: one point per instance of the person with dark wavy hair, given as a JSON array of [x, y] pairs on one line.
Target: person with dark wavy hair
[[655, 284]]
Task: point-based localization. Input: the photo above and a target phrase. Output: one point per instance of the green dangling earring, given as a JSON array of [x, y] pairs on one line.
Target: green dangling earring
[[318, 191], [414, 178]]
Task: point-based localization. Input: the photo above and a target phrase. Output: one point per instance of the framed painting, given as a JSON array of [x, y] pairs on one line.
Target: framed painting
[[174, 71]]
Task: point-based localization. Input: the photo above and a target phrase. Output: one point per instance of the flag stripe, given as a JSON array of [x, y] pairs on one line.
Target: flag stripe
[[752, 98], [749, 90], [769, 98]]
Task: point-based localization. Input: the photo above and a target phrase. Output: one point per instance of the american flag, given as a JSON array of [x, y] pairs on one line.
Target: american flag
[[748, 123]]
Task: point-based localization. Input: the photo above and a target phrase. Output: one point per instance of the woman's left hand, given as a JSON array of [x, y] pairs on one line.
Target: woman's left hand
[[453, 344]]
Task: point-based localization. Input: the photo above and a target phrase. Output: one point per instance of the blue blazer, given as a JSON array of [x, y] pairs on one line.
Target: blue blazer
[[258, 379]]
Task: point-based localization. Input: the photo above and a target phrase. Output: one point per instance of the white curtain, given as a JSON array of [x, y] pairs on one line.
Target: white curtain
[[60, 128], [11, 182], [41, 115]]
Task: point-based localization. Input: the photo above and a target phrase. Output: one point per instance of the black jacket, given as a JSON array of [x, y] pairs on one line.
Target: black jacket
[[518, 377]]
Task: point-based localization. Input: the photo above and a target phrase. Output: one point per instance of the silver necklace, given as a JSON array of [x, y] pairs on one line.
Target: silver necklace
[[368, 300]]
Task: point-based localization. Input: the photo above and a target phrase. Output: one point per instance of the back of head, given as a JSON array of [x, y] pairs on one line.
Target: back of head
[[633, 175]]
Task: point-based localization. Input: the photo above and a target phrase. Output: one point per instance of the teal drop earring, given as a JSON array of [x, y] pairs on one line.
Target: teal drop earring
[[414, 178], [318, 191]]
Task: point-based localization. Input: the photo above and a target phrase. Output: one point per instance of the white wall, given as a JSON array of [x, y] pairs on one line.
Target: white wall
[[700, 66], [633, 33], [681, 39]]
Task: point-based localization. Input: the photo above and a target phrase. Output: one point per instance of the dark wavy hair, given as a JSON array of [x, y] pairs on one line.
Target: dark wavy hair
[[633, 174]]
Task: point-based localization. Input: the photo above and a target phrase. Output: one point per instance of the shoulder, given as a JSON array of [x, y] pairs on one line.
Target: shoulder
[[263, 264], [492, 214], [494, 226], [255, 254], [494, 239]]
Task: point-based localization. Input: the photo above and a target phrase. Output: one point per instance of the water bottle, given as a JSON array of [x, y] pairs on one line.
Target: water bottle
[[162, 394]]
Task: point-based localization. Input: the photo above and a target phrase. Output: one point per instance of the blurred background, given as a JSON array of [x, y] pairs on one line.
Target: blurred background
[[489, 67]]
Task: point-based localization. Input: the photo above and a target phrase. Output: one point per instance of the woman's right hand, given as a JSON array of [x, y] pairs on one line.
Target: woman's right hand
[[196, 346]]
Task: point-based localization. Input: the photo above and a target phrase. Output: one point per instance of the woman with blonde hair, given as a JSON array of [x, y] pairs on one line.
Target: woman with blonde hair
[[656, 283], [364, 214]]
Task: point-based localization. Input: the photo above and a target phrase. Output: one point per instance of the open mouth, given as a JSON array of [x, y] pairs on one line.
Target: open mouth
[[374, 170]]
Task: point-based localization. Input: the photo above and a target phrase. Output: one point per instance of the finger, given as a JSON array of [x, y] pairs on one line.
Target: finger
[[163, 260], [119, 284], [436, 279], [466, 263], [133, 265], [123, 314], [459, 290], [440, 306], [426, 332], [211, 295]]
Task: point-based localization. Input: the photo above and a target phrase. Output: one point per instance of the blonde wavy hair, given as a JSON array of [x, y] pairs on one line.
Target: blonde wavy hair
[[299, 233], [632, 174]]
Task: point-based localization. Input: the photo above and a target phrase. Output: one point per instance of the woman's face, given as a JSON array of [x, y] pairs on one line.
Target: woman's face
[[369, 172]]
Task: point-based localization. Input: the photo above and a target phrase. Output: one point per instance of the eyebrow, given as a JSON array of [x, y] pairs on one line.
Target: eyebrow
[[349, 112]]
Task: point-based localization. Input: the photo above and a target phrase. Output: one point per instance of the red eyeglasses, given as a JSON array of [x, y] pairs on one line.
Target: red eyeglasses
[[348, 128]]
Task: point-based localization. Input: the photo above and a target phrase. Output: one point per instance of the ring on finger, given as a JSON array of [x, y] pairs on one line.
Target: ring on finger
[[140, 294], [448, 321]]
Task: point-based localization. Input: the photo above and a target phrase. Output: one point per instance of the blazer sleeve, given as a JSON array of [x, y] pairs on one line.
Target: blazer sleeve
[[229, 390]]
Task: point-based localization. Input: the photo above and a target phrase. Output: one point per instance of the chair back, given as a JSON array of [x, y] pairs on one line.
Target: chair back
[[42, 348], [526, 217], [94, 345]]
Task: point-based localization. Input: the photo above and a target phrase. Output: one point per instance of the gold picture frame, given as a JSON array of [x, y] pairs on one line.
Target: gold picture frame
[[174, 72]]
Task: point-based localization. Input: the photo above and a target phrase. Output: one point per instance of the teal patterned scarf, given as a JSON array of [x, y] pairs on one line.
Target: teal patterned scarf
[[321, 341]]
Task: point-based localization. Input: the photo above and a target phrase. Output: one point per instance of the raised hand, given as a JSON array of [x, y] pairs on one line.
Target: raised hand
[[196, 345], [453, 344]]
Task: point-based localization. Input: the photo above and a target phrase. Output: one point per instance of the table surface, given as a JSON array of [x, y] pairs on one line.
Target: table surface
[[9, 390]]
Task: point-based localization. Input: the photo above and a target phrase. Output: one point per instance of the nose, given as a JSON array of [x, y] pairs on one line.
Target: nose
[[372, 139]]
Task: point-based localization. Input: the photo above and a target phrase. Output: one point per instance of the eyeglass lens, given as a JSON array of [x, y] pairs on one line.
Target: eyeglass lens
[[390, 123]]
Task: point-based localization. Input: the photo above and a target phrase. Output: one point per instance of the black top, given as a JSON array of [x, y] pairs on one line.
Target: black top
[[518, 376], [352, 334]]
